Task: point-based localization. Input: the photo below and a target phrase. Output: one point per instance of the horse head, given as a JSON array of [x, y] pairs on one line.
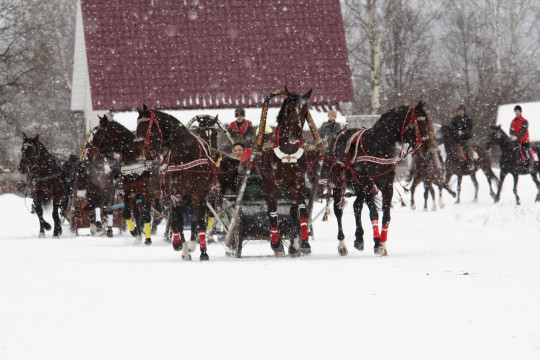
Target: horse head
[[416, 130], [148, 130], [497, 136], [292, 116], [30, 152], [102, 140]]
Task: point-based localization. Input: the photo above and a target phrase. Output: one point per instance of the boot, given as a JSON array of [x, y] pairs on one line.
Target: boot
[[470, 165], [532, 168]]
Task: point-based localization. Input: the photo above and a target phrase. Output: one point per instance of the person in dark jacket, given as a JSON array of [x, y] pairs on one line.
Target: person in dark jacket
[[330, 129], [462, 125], [519, 131]]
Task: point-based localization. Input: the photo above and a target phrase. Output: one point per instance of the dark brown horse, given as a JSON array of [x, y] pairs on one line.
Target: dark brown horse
[[44, 175], [429, 170], [139, 175], [96, 174], [186, 165], [364, 160], [284, 166], [456, 163], [512, 161]]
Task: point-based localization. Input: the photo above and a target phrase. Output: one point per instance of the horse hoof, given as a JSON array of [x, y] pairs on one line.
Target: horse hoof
[[186, 257], [138, 241], [42, 234], [192, 245], [413, 207], [134, 232], [204, 256], [148, 242], [305, 248], [380, 250], [279, 253], [177, 245], [359, 245], [343, 251], [109, 232], [293, 252], [426, 209]]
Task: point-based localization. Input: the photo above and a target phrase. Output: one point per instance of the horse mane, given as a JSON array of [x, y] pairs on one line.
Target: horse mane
[[125, 134], [167, 117]]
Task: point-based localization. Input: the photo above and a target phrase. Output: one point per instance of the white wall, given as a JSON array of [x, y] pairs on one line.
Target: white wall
[[531, 112]]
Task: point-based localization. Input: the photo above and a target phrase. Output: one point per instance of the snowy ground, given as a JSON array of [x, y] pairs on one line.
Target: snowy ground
[[460, 283]]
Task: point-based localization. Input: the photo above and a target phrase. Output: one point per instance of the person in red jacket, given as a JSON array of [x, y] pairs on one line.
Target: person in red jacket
[[519, 131], [242, 129]]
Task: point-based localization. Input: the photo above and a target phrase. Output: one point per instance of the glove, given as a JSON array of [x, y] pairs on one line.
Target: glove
[[513, 137], [459, 132]]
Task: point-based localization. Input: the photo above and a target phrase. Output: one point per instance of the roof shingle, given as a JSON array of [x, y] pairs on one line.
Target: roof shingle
[[178, 54]]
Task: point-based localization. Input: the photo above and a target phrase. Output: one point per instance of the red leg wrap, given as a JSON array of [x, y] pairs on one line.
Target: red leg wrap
[[202, 238], [274, 235], [384, 233], [176, 238], [304, 233], [375, 225]]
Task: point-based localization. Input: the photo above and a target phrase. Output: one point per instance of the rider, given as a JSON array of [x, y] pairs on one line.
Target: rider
[[462, 125], [330, 129], [519, 131], [242, 129]]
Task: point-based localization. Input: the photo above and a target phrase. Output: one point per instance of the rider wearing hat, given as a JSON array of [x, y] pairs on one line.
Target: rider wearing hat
[[242, 129], [462, 125], [519, 131], [330, 129]]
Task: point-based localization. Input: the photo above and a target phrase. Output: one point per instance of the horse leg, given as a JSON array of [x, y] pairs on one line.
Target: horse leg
[[499, 187], [57, 223], [426, 194], [305, 248], [387, 192], [43, 225], [294, 248], [177, 229], [374, 217], [275, 241], [413, 188], [198, 208], [359, 233], [146, 219], [459, 178], [535, 179], [110, 223], [441, 200], [127, 213], [137, 217], [516, 180], [475, 182], [339, 204]]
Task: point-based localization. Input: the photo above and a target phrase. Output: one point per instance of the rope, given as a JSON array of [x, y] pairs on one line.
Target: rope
[[86, 142]]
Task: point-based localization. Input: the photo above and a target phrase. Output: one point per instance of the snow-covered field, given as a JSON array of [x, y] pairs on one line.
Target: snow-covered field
[[460, 283]]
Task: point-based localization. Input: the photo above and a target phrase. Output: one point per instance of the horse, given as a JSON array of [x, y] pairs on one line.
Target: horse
[[428, 169], [139, 175], [456, 163], [363, 160], [45, 179], [96, 174], [187, 166], [512, 161], [284, 166]]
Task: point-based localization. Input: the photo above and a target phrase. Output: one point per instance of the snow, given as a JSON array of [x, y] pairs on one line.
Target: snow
[[226, 116], [459, 283], [531, 112]]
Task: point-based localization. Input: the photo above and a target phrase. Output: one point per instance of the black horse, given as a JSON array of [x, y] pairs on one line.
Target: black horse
[[45, 179], [511, 161], [364, 160], [456, 162], [187, 169]]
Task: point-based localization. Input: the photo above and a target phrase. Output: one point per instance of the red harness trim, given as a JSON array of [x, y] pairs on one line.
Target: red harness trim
[[243, 129]]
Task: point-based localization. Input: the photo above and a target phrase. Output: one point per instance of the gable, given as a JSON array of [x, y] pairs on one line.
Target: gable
[[185, 54]]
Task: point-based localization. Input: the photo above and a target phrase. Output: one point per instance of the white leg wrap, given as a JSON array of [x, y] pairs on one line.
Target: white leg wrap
[[98, 214], [109, 220]]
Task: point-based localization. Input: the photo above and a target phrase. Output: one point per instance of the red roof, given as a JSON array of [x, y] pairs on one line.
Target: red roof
[[187, 54]]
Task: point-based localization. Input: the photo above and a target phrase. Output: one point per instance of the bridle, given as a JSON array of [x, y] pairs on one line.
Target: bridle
[[279, 133], [152, 121], [32, 159], [413, 121]]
